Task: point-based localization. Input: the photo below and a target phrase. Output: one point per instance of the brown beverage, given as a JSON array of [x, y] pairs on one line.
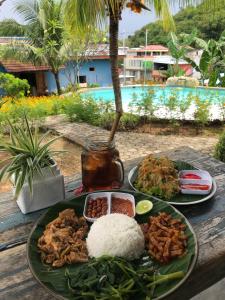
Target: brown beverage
[[101, 167]]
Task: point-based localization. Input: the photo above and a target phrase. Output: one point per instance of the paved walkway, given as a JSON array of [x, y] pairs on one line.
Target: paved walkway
[[130, 144]]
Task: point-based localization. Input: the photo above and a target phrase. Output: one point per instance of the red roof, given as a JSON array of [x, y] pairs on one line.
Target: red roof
[[14, 66], [156, 48]]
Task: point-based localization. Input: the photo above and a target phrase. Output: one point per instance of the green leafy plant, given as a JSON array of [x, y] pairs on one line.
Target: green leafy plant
[[222, 107], [178, 47], [174, 71], [184, 104], [219, 152], [146, 104], [133, 104], [93, 85], [129, 121], [202, 112], [211, 64], [171, 103], [28, 155], [13, 87], [83, 110]]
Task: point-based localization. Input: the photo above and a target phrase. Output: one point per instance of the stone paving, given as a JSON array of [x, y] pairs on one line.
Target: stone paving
[[130, 144]]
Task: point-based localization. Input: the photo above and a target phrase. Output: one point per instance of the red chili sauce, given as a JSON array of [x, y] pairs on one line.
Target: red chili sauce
[[122, 206]]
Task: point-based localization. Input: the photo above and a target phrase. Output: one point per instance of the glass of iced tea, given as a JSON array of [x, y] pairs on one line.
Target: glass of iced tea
[[102, 168]]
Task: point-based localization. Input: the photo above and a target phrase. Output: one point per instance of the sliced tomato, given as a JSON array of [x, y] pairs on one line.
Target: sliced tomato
[[202, 187], [191, 176]]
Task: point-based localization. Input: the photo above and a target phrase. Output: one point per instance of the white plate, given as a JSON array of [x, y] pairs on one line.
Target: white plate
[[131, 179]]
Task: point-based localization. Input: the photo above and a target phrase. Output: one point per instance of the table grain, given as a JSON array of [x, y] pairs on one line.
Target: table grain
[[207, 219]]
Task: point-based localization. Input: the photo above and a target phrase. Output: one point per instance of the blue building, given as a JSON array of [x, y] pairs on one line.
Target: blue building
[[42, 81], [95, 70]]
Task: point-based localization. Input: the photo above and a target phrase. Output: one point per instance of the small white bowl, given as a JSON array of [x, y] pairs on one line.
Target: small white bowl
[[124, 196], [94, 196], [206, 179]]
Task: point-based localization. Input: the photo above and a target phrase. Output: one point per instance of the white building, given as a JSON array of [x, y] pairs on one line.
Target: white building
[[150, 63]]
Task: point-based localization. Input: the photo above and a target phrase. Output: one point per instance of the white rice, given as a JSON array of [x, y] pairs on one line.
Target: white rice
[[115, 235]]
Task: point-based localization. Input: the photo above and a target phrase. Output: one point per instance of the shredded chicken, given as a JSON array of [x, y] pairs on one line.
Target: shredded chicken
[[165, 237], [63, 240]]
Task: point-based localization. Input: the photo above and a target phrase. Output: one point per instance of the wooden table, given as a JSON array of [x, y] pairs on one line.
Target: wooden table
[[208, 220]]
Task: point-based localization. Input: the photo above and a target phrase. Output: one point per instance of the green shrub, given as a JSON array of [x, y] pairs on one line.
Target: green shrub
[[184, 104], [171, 105], [93, 85], [219, 152], [129, 121], [202, 111], [106, 120], [105, 106], [82, 110], [222, 107], [133, 104], [12, 86], [146, 104]]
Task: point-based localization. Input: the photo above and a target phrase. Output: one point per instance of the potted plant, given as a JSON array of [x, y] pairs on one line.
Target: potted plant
[[35, 176]]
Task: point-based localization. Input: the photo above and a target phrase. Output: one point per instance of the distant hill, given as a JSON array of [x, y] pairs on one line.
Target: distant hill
[[210, 24], [11, 28]]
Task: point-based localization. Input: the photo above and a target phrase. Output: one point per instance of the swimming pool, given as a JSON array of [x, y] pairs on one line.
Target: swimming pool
[[159, 93]]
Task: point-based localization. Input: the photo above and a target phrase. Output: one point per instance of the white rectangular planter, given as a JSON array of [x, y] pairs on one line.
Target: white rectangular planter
[[47, 191]]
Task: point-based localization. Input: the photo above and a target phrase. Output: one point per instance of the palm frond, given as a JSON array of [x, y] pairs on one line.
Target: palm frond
[[79, 15], [27, 10]]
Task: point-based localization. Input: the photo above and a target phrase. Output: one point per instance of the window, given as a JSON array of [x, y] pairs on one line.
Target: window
[[82, 79], [91, 69]]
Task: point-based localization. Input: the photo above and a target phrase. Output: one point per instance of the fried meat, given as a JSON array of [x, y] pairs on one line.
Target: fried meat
[[63, 241], [165, 237]]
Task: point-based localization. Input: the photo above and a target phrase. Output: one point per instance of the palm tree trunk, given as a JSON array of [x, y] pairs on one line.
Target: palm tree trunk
[[113, 49], [56, 75]]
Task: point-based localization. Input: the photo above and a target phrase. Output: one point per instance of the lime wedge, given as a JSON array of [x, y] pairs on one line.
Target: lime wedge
[[143, 207]]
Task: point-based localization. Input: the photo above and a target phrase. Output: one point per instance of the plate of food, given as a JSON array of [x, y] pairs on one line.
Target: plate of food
[[177, 182], [118, 255]]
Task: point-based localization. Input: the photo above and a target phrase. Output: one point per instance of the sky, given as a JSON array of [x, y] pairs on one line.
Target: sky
[[129, 24]]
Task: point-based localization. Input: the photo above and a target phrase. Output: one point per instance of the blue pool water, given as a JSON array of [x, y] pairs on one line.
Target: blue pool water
[[213, 94]]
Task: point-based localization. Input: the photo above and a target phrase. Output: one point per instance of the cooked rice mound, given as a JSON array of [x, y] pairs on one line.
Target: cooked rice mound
[[115, 235]]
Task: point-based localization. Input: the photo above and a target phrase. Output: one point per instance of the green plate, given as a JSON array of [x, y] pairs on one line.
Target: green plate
[[47, 275], [179, 199]]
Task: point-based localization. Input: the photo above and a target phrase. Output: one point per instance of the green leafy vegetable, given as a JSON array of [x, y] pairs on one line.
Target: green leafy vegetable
[[115, 278]]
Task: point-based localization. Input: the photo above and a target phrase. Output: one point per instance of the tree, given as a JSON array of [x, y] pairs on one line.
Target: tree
[[208, 22], [178, 47], [44, 33], [11, 28], [12, 87], [212, 62], [81, 14]]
